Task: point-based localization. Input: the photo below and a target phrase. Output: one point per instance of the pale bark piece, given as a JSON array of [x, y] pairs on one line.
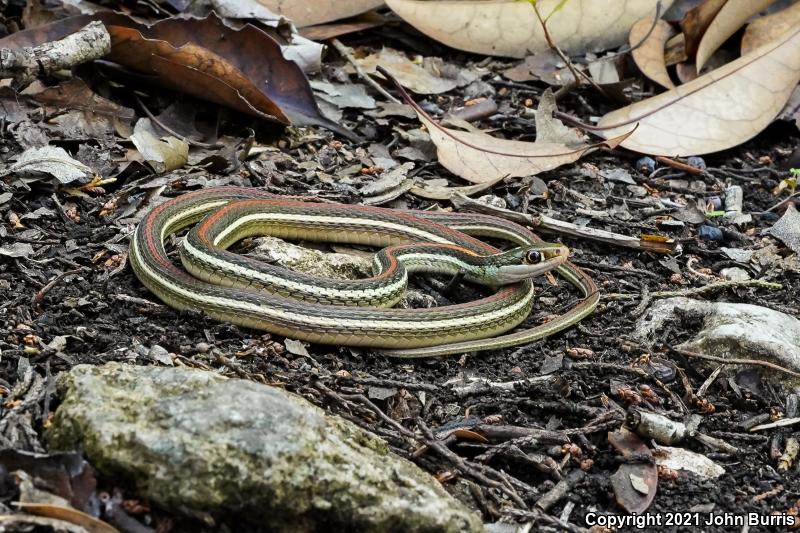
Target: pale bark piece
[[510, 27], [309, 12], [25, 64], [730, 18], [649, 55], [718, 110], [765, 30]]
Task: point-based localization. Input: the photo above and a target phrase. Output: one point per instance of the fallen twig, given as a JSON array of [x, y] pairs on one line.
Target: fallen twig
[[696, 291], [545, 223], [736, 361], [26, 64]]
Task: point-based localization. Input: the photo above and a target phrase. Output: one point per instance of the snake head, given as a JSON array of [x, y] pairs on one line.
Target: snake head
[[526, 262]]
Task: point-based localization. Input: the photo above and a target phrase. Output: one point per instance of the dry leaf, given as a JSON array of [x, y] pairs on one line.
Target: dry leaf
[[50, 160], [634, 483], [410, 74], [241, 68], [550, 130], [480, 158], [649, 55], [764, 30], [696, 21], [511, 28], [718, 110], [730, 18], [545, 66], [323, 32], [435, 192], [165, 154], [309, 12], [80, 113]]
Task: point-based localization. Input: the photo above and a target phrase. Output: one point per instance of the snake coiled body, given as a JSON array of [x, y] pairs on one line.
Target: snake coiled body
[[477, 325]]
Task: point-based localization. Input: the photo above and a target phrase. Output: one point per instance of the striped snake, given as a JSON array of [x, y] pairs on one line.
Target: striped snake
[[301, 306]]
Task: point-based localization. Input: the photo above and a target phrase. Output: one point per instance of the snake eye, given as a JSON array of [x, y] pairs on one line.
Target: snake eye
[[533, 257]]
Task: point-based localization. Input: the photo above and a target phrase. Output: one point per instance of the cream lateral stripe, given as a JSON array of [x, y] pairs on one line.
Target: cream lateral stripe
[[493, 231], [188, 214], [321, 321], [277, 217], [268, 278]]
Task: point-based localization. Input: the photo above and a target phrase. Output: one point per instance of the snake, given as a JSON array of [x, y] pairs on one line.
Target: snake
[[415, 239]]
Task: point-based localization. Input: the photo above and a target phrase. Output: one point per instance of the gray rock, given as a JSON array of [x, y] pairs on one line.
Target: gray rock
[[731, 330], [194, 440]]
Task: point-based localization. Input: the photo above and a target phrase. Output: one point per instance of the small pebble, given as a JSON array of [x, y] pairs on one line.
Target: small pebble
[[696, 162], [646, 165], [709, 233], [202, 347]]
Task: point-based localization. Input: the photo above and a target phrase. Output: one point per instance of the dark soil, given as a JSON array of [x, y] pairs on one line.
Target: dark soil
[[107, 315]]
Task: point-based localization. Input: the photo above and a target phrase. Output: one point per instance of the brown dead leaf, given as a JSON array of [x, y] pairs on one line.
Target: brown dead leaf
[[243, 69], [718, 110], [478, 157], [309, 12], [634, 483], [730, 18], [511, 28], [78, 112], [649, 55], [766, 29], [695, 23], [544, 66]]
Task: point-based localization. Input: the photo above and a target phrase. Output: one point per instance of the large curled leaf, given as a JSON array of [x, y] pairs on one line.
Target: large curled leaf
[[730, 18], [716, 111], [511, 28], [480, 158], [308, 12], [243, 69]]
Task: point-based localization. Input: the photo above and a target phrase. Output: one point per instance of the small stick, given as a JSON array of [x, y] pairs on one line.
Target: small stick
[[39, 296], [695, 291], [347, 53], [736, 361], [689, 169]]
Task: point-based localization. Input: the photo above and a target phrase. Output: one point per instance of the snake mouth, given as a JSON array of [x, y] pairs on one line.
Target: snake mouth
[[552, 257]]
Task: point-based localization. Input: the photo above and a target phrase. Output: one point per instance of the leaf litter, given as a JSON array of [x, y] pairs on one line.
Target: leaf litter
[[101, 312]]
